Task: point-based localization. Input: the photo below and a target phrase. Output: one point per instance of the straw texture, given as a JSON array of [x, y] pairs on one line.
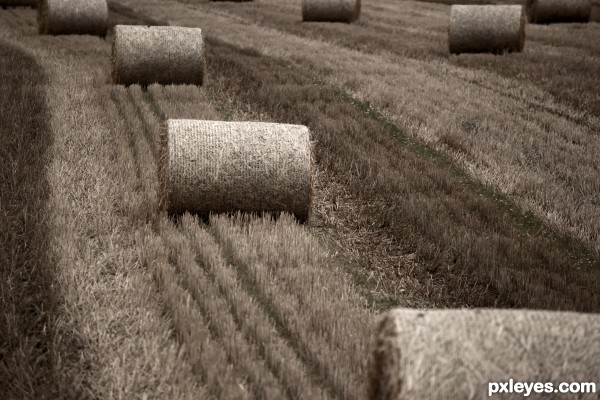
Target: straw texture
[[490, 28], [157, 54], [77, 17], [453, 354], [330, 10], [18, 3], [215, 167], [546, 11]]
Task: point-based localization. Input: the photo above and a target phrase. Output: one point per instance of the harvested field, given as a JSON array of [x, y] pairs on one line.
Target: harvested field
[[439, 181]]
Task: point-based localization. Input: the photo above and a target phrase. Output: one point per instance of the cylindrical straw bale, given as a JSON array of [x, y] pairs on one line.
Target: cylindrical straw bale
[[330, 10], [76, 17], [216, 167], [454, 354], [18, 3], [488, 28], [546, 11], [157, 54]]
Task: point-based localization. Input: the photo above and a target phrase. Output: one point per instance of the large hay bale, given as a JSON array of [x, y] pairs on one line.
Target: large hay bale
[[546, 11], [215, 167], [454, 354], [18, 3], [157, 54], [77, 17], [489, 28], [330, 10]]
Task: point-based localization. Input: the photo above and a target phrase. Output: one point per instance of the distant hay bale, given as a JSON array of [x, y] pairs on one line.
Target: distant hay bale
[[216, 167], [330, 10], [72, 17], [18, 3], [453, 354], [530, 6], [489, 28], [157, 54], [546, 11]]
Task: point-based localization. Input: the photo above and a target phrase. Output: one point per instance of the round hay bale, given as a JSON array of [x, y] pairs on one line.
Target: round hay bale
[[330, 10], [454, 354], [157, 54], [18, 3], [217, 167], [72, 17], [489, 28], [547, 11]]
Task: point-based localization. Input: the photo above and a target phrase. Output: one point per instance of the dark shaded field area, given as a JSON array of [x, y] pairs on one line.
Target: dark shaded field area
[[27, 297]]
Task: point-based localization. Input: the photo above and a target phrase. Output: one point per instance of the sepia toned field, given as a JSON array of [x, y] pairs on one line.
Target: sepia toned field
[[440, 181]]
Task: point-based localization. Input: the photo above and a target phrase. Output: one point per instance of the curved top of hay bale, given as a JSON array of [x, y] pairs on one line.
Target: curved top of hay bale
[[218, 167], [64, 17], [486, 28], [547, 11], [157, 54], [331, 10], [453, 354]]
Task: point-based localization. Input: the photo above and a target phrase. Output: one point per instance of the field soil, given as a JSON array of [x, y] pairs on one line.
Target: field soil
[[440, 181]]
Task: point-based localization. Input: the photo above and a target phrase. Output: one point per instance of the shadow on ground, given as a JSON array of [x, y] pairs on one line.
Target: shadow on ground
[[30, 355]]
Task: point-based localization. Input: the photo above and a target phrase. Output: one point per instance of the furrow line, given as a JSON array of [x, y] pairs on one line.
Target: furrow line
[[296, 299], [115, 96], [281, 354], [240, 353], [206, 356]]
